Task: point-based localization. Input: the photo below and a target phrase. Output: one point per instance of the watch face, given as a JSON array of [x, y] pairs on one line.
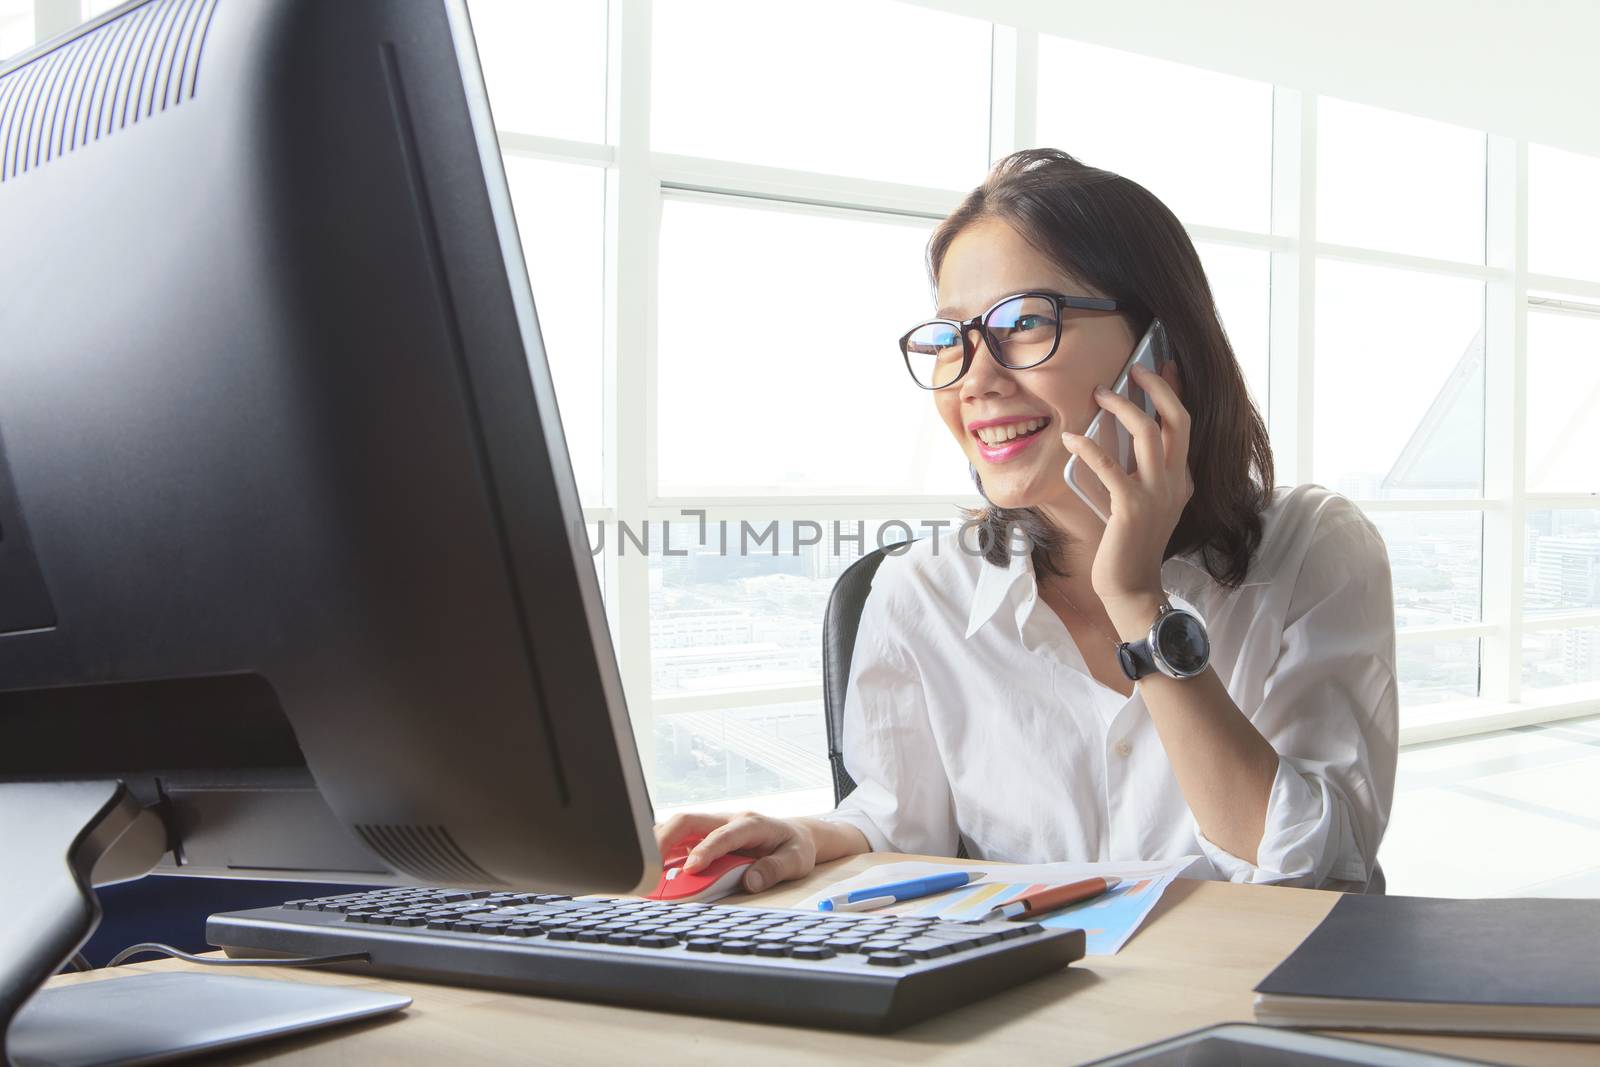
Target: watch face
[[1181, 640]]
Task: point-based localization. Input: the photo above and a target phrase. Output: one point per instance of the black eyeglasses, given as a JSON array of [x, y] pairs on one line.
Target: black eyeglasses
[[1020, 331]]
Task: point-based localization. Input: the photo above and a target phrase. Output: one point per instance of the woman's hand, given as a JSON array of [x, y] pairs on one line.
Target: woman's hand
[[787, 847], [1145, 505]]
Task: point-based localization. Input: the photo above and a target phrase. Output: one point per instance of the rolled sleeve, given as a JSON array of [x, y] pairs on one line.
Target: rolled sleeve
[[1330, 709], [1307, 823], [902, 800]]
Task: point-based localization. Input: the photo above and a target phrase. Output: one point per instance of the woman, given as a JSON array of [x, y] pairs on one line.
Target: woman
[[989, 704]]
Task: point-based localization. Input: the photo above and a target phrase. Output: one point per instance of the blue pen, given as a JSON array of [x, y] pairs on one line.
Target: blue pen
[[879, 895]]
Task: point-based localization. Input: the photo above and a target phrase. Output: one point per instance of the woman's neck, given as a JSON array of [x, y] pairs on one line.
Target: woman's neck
[[1081, 531]]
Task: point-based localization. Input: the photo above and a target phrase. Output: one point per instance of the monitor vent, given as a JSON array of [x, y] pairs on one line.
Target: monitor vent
[[141, 62], [429, 852]]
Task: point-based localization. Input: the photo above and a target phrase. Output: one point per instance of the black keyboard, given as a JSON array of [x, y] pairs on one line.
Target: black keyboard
[[855, 971]]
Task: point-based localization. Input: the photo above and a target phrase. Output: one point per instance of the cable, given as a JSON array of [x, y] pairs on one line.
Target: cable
[[213, 961], [80, 962]]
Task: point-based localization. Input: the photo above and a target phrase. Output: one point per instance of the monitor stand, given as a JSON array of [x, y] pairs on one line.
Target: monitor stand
[[60, 839]]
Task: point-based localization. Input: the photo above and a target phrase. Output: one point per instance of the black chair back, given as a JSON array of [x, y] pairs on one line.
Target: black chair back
[[839, 626]]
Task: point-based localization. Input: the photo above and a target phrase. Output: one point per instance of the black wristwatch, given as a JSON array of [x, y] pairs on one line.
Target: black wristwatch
[[1178, 647]]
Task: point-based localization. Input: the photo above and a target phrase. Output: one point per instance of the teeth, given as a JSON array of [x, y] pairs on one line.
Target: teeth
[[997, 435]]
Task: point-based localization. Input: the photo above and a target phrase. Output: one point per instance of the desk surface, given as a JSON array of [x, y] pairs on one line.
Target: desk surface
[[1192, 964]]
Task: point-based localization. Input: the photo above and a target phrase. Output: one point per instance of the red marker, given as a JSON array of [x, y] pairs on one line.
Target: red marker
[[1055, 897]]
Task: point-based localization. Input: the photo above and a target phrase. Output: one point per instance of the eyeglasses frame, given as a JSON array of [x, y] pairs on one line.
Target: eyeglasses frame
[[977, 322]]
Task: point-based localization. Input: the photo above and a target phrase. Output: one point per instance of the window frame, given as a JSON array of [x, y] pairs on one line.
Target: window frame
[[638, 181]]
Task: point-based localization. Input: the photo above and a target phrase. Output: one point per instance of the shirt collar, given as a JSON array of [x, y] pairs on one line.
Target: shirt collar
[[994, 587], [1184, 579]]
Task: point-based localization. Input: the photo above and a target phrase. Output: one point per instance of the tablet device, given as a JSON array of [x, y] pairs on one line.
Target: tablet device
[[1245, 1045]]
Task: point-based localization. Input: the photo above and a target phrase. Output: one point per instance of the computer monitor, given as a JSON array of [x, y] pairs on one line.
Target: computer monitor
[[290, 544]]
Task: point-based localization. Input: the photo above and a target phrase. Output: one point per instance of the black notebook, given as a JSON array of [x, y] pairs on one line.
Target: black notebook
[[1525, 966]]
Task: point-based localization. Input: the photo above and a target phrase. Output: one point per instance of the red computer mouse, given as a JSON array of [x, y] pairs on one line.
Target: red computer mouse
[[714, 881]]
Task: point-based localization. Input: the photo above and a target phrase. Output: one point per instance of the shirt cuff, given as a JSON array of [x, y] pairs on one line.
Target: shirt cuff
[[853, 816], [1306, 841]]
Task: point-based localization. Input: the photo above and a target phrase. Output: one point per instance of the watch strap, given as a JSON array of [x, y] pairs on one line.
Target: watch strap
[[1137, 659]]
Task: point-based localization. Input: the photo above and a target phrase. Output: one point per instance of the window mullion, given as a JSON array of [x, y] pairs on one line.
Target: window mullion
[[1013, 90], [632, 224], [1290, 347], [1505, 415]]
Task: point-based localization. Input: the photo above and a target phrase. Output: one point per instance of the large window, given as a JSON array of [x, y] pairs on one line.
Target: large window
[[867, 88], [834, 414], [713, 193], [561, 218], [1563, 222], [16, 26], [1399, 382], [544, 63], [1200, 141], [1399, 183]]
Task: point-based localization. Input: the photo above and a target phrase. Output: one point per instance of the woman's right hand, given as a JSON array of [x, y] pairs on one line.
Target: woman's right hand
[[787, 847]]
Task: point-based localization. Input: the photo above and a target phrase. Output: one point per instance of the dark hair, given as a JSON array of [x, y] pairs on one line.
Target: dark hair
[[1112, 234]]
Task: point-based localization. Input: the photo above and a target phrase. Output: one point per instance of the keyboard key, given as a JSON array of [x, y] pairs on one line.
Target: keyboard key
[[523, 930], [772, 948], [560, 935], [738, 948], [959, 943], [889, 959], [879, 946], [464, 926], [702, 944], [407, 920], [811, 952], [656, 941], [621, 938], [1015, 930], [926, 948]]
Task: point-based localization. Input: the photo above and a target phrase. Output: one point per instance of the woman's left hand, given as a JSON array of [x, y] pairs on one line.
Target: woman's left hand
[[1145, 505]]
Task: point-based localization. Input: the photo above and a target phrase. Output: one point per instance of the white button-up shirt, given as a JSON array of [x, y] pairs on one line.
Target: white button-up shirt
[[971, 718]]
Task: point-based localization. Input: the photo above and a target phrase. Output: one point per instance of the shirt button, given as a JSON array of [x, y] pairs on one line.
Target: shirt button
[[1123, 748]]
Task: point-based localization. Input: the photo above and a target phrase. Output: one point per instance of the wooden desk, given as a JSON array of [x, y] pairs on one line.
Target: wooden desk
[[1192, 964]]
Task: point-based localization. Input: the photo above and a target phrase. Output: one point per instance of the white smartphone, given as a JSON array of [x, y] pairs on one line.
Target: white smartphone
[[1152, 352]]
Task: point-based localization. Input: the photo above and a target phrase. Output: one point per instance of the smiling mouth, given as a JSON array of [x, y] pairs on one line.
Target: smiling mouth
[[995, 437]]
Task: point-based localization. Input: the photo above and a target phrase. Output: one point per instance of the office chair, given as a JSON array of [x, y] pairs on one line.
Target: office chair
[[839, 625]]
